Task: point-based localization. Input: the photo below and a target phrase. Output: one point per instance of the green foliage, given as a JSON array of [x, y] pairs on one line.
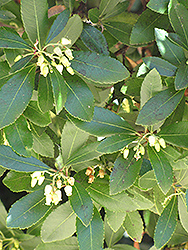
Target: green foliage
[[91, 135]]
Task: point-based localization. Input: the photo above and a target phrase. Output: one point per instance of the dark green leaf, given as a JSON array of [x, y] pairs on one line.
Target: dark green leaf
[[181, 80], [162, 169], [15, 95], [183, 211], [45, 96], [124, 173], [69, 4], [116, 142], [98, 67], [166, 224], [176, 134], [68, 244], [93, 15], [3, 72], [34, 114], [104, 123], [178, 40], [163, 67], [94, 40], [107, 6], [59, 225], [35, 20], [12, 40], [11, 55], [3, 2], [116, 11], [159, 107], [158, 6], [58, 25], [19, 136], [59, 90], [81, 203], [11, 160], [19, 65], [90, 237], [169, 51], [6, 15], [80, 101], [28, 210]]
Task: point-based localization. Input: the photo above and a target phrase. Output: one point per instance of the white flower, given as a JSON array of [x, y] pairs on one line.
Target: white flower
[[70, 70], [68, 190], [59, 183], [44, 70], [142, 150], [47, 190], [152, 140], [57, 51], [71, 181], [64, 41], [125, 153], [56, 197], [40, 60], [59, 67], [157, 146], [37, 176], [48, 199], [65, 61], [68, 53], [162, 142]]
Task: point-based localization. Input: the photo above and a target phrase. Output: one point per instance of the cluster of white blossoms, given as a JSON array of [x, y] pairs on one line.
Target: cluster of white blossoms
[[155, 141], [52, 191], [59, 59], [140, 150]]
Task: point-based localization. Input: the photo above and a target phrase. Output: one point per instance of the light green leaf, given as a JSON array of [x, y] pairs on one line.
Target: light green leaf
[[124, 173], [35, 20], [72, 139], [123, 247], [3, 215], [59, 225], [104, 123], [15, 95], [181, 80], [80, 101], [34, 114], [133, 224], [3, 2], [169, 51], [98, 67], [90, 237], [19, 136], [6, 15], [115, 219], [12, 40], [179, 236], [147, 180], [11, 160], [162, 169], [151, 85], [72, 30], [107, 6], [45, 96], [166, 224], [163, 67], [69, 4], [59, 90], [120, 8], [81, 203], [58, 25], [176, 134], [158, 6], [67, 244], [159, 107], [183, 212], [28, 210]]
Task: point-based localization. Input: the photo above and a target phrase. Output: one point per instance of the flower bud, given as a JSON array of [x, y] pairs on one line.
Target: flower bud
[[59, 184], [71, 181], [33, 182], [101, 173], [68, 53], [162, 143], [44, 70], [57, 51], [41, 179], [40, 60], [89, 171], [16, 243], [64, 41], [17, 58], [125, 153], [65, 61], [91, 178], [157, 146], [68, 190], [142, 150], [152, 140], [70, 70]]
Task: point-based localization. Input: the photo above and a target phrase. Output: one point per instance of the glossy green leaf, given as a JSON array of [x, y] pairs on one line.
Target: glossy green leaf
[[166, 224], [34, 114], [28, 210], [151, 85], [104, 123], [120, 8], [179, 236], [178, 40], [93, 15], [106, 6], [72, 139], [98, 67], [45, 96], [58, 25], [12, 40], [3, 72], [19, 136], [72, 30], [181, 80], [163, 67], [11, 160], [159, 107], [124, 173], [81, 203], [169, 51], [115, 219], [162, 169], [69, 4], [143, 30], [15, 95], [11, 54], [90, 237], [83, 154], [157, 6], [147, 180], [23, 62], [178, 16], [35, 20], [80, 101], [183, 211], [43, 145], [59, 90], [67, 244], [6, 15], [94, 40], [59, 225], [133, 224], [176, 134]]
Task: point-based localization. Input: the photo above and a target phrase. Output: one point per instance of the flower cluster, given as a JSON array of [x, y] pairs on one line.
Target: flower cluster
[[156, 142], [90, 172], [139, 150], [37, 176], [58, 59], [53, 195]]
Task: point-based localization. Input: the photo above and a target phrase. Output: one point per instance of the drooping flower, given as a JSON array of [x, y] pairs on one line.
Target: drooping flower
[[152, 140], [68, 53], [162, 143], [70, 70], [44, 70], [37, 176], [65, 61], [59, 67], [71, 181], [58, 51], [125, 153], [64, 41], [68, 190]]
